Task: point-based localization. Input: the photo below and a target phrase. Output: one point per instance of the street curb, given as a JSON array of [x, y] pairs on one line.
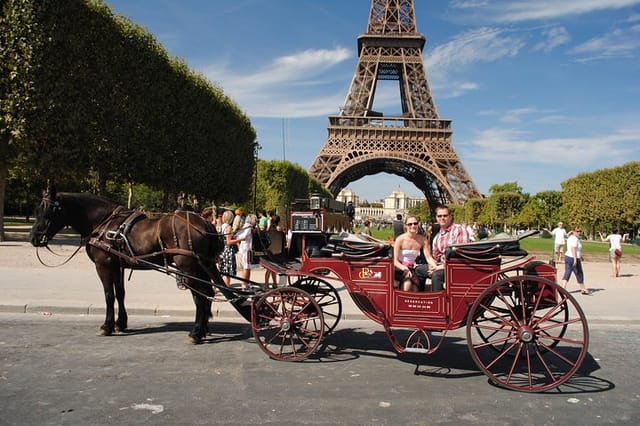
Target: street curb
[[158, 312], [91, 310]]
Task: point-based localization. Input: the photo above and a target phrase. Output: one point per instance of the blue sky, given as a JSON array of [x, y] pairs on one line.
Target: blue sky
[[538, 90]]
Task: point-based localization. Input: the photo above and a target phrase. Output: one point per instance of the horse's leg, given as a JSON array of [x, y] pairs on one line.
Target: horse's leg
[[200, 291], [107, 277], [121, 323]]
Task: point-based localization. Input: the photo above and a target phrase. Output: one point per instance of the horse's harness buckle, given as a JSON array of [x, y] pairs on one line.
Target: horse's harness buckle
[[118, 237], [115, 236]]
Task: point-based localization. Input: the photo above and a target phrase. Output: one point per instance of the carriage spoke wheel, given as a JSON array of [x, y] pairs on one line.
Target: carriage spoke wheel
[[526, 333], [287, 324], [326, 296], [490, 325]]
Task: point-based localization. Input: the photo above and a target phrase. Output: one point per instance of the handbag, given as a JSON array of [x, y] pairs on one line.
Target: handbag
[[618, 252]]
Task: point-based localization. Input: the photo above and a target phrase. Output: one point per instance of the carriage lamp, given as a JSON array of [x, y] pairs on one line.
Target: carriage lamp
[[315, 202]]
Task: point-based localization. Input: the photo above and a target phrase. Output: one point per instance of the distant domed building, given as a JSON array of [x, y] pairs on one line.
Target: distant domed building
[[396, 202]]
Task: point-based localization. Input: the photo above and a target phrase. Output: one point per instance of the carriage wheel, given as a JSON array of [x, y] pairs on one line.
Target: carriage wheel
[[492, 324], [327, 297], [287, 324], [525, 342]]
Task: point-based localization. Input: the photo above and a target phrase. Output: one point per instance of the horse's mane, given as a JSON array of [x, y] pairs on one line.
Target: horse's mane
[[89, 200], [84, 210]]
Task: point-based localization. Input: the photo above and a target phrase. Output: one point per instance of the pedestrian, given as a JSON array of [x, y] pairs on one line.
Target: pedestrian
[[615, 250], [208, 214], [218, 223], [270, 215], [471, 231], [398, 226], [274, 228], [263, 220], [573, 261], [559, 235], [483, 232], [367, 228], [351, 212], [238, 220], [245, 237], [227, 260]]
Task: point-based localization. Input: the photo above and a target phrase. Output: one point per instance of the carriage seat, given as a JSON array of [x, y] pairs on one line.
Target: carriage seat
[[355, 246], [486, 251]]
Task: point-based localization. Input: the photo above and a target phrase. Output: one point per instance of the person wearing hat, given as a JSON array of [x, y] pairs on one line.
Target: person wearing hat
[[237, 221]]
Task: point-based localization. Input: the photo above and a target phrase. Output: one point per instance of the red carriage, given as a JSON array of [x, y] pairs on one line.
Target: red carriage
[[523, 330]]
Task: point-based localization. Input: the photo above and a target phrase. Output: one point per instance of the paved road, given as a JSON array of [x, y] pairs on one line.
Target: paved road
[[55, 371]]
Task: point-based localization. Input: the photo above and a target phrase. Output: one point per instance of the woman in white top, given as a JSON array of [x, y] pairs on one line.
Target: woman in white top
[[245, 236], [573, 261], [406, 249], [615, 250]]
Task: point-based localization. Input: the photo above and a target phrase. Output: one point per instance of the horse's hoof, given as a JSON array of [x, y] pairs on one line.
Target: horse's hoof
[[103, 332], [193, 340]]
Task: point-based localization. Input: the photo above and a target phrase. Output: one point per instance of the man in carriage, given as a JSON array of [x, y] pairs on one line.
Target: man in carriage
[[449, 233]]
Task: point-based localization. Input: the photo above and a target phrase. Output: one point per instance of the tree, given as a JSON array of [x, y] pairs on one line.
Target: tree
[[506, 187], [91, 99], [603, 199], [19, 37], [281, 182], [542, 210], [502, 207]]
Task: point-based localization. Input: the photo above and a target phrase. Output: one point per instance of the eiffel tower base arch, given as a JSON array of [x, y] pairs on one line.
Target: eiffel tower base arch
[[418, 150]]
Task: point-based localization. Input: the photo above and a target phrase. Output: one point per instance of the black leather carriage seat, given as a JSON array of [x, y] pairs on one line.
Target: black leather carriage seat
[[487, 251], [355, 246], [276, 252]]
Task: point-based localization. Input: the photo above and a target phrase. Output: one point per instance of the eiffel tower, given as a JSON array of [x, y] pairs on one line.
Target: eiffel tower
[[416, 145]]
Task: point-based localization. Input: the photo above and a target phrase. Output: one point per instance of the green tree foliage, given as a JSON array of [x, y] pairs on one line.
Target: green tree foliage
[[473, 209], [422, 211], [89, 97], [502, 207], [506, 187], [19, 38], [604, 199], [316, 187], [458, 212], [281, 182], [542, 210]]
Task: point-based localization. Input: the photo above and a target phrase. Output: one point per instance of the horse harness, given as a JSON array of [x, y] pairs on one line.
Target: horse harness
[[116, 241]]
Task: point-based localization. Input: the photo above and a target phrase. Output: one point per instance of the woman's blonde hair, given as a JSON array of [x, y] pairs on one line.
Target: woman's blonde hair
[[251, 219], [227, 217]]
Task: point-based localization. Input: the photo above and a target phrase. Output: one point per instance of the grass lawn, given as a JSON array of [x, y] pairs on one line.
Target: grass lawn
[[16, 223]]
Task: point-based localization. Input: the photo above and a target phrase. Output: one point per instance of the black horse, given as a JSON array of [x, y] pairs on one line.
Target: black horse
[[117, 238]]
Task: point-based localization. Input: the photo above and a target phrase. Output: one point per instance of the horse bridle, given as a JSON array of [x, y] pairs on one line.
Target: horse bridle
[[46, 204]]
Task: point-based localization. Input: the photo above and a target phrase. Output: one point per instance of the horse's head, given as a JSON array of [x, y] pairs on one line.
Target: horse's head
[[50, 218]]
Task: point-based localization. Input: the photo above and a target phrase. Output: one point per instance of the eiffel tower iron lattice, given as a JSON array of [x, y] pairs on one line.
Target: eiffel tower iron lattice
[[415, 145]]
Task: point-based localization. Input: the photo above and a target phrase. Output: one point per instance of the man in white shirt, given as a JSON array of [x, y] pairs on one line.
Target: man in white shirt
[[559, 236]]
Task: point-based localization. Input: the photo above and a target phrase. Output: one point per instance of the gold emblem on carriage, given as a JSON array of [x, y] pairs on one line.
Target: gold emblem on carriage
[[369, 273]]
